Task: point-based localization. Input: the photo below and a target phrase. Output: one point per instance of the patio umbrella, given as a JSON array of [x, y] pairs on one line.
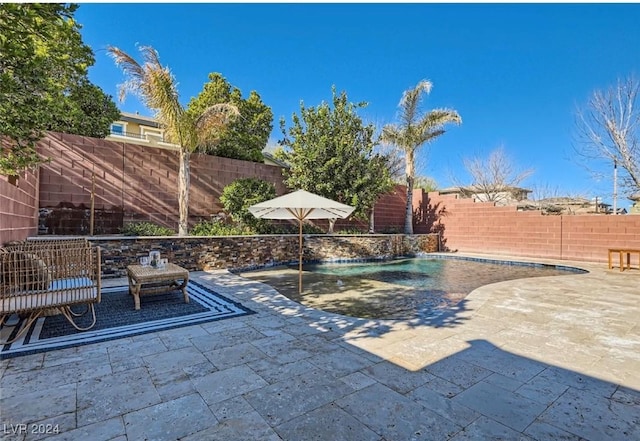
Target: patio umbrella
[[300, 205]]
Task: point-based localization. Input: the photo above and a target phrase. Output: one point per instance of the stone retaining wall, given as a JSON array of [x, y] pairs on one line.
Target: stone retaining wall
[[244, 252]]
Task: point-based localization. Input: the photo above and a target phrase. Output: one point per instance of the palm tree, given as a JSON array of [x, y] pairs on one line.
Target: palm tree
[[156, 87], [414, 130]]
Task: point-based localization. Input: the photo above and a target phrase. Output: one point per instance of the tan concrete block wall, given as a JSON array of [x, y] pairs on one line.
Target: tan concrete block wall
[[467, 226], [588, 237], [390, 211], [139, 180], [18, 208]]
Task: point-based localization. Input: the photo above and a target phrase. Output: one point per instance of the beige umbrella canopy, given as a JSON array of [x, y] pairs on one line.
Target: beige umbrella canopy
[[301, 205]]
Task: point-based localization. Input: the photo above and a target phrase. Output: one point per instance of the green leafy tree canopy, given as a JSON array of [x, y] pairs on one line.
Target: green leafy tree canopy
[[238, 196], [86, 111], [43, 70], [330, 153], [426, 183], [246, 136]]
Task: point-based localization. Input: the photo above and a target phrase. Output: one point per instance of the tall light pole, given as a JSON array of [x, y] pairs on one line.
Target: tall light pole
[[615, 186]]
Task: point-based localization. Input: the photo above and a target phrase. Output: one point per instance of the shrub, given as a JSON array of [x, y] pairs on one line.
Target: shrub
[[238, 196], [146, 229], [350, 230], [311, 229], [218, 228], [292, 228]]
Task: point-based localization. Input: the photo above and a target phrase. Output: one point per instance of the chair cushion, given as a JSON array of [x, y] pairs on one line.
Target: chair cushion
[[70, 283], [47, 299]]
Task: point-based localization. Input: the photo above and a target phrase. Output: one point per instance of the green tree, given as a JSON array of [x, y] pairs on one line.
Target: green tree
[[414, 130], [246, 136], [238, 196], [87, 111], [42, 60], [330, 153], [156, 87], [427, 183]]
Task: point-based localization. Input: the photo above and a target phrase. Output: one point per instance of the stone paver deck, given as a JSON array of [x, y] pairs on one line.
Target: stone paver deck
[[535, 359]]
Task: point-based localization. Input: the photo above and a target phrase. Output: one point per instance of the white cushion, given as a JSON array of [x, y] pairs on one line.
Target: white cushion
[[73, 282], [61, 292]]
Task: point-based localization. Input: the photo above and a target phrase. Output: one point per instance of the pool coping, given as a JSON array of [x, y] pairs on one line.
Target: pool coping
[[438, 255]]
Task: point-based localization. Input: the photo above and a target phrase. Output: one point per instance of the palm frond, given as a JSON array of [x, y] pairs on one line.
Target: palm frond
[[390, 134], [431, 125], [131, 68], [155, 86], [161, 95], [440, 117], [411, 100], [211, 122], [400, 136], [150, 56]]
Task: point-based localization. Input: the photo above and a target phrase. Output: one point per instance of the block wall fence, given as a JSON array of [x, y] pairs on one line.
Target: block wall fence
[[137, 183], [18, 207], [480, 227], [132, 182]]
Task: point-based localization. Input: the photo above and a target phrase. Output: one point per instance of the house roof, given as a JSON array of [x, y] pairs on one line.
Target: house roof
[[139, 119], [478, 189], [570, 201], [268, 156]]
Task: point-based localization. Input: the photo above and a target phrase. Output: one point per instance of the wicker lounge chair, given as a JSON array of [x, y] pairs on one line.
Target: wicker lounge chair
[[42, 277]]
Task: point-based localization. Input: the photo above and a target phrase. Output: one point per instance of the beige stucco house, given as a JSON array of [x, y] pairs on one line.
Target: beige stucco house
[[145, 130], [499, 195], [138, 129]]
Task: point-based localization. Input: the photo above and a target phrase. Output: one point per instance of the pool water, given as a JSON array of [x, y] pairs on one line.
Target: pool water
[[396, 289]]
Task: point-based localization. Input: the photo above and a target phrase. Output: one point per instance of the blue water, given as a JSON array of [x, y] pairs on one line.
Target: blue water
[[442, 274], [404, 288]]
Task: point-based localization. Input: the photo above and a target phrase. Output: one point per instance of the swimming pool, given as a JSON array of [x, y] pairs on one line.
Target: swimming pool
[[397, 289]]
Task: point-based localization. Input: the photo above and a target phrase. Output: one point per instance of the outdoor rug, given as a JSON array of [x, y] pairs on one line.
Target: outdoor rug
[[117, 318]]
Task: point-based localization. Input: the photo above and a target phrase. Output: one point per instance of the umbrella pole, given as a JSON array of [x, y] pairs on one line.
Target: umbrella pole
[[300, 257]]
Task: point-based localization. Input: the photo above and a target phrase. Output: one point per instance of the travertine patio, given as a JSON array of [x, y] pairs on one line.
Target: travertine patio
[[545, 358]]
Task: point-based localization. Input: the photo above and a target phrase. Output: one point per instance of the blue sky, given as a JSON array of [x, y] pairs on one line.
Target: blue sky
[[514, 72]]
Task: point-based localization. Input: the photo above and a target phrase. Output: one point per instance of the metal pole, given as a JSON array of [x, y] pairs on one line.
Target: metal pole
[[300, 257], [93, 202], [615, 186]]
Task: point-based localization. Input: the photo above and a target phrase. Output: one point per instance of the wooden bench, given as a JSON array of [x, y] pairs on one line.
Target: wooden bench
[[41, 276], [623, 252]]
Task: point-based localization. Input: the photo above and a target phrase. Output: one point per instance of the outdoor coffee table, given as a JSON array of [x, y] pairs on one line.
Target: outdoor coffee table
[[158, 280]]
